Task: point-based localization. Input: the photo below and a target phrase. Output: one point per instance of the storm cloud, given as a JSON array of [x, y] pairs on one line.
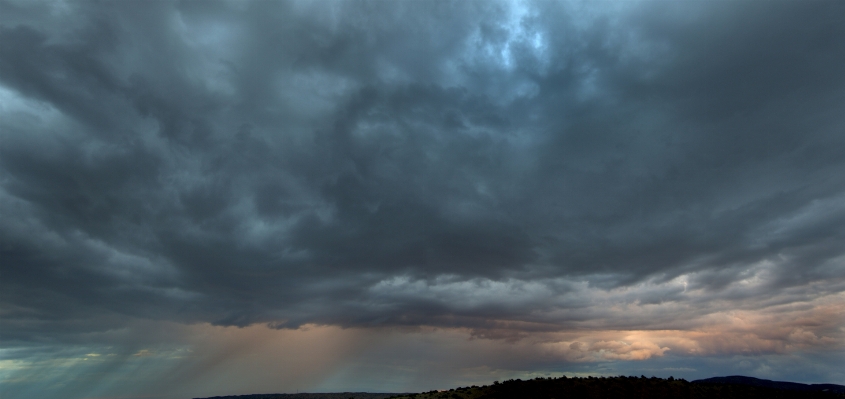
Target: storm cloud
[[608, 181]]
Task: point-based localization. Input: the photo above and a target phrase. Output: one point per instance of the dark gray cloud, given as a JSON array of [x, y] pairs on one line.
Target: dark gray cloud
[[503, 167]]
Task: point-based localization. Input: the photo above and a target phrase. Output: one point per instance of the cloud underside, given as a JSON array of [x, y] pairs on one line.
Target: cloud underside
[[603, 181]]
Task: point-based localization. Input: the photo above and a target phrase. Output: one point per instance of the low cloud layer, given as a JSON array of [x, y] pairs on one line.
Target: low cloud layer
[[566, 174]]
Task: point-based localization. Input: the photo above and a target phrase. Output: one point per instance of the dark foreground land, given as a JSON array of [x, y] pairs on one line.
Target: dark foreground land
[[735, 387], [634, 387]]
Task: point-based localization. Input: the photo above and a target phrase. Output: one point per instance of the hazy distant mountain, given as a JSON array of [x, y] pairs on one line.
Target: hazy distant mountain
[[757, 382]]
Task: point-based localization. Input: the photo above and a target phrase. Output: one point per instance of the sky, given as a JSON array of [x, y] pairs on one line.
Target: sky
[[237, 197]]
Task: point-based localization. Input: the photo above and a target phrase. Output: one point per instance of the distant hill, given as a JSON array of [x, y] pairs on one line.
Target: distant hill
[[622, 388], [733, 387], [757, 382]]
